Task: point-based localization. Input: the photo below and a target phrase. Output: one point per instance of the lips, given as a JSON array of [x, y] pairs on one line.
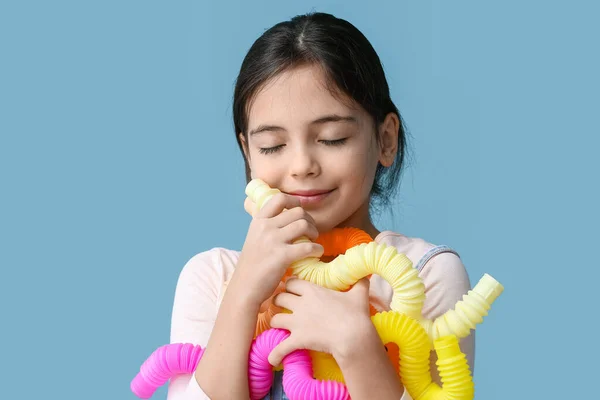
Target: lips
[[310, 198], [309, 192]]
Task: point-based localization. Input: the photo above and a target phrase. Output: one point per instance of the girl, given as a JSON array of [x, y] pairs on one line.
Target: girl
[[313, 117]]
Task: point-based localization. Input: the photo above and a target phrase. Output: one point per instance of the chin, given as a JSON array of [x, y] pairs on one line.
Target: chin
[[324, 224]]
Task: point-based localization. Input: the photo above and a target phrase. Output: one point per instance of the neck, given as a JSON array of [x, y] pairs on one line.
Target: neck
[[361, 220]]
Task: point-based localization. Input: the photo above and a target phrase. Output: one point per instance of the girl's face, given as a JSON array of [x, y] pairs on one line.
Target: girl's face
[[309, 143]]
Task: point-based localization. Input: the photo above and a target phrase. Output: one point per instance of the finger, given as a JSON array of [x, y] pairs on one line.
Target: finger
[[281, 350], [250, 206], [361, 286], [282, 321], [296, 286], [290, 215], [285, 300], [277, 204], [302, 250], [360, 291], [297, 229]]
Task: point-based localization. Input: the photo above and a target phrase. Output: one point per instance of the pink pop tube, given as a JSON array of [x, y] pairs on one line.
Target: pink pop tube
[[164, 363], [260, 372], [298, 382]]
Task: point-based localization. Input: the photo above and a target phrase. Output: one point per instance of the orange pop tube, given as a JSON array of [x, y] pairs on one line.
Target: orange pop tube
[[339, 240], [335, 242]]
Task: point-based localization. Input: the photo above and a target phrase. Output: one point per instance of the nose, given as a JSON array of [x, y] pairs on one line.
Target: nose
[[303, 163]]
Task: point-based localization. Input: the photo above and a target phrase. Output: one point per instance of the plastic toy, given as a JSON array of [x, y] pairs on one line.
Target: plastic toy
[[335, 242], [409, 291], [403, 326]]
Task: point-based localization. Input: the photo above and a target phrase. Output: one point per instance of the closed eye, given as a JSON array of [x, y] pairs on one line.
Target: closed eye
[[270, 150], [275, 149], [336, 142]]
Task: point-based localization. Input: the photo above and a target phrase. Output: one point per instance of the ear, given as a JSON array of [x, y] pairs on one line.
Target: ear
[[388, 139]]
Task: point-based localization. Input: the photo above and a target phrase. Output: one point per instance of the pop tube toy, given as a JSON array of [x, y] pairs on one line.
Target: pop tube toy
[[409, 291], [334, 243], [298, 381], [403, 326]]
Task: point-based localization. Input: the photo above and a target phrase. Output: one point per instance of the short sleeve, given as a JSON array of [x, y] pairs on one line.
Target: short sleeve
[[194, 314]]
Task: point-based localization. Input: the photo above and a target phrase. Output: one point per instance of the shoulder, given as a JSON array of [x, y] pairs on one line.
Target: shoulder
[[211, 267], [433, 262], [195, 303], [438, 264], [418, 250]]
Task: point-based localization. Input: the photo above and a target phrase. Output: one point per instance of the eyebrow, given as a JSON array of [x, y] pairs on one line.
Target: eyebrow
[[322, 120]]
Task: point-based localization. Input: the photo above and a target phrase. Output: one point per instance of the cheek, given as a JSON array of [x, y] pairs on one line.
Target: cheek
[[261, 167], [359, 167]]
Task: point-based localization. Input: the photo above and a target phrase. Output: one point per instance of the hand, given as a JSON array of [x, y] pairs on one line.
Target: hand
[[322, 319], [269, 248]]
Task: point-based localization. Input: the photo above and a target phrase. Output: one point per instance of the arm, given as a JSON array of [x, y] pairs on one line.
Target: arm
[[223, 370], [195, 320], [367, 370], [193, 316]]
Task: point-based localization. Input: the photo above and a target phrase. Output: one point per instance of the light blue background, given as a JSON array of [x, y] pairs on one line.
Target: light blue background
[[118, 164]]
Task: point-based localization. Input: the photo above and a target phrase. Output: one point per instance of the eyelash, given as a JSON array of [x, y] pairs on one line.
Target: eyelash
[[271, 150]]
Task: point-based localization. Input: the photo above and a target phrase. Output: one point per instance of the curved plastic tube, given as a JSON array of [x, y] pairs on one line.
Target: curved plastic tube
[[178, 358], [413, 360], [467, 313], [164, 363], [339, 240], [415, 374], [357, 263], [414, 344], [260, 372], [299, 384], [334, 242], [396, 269]]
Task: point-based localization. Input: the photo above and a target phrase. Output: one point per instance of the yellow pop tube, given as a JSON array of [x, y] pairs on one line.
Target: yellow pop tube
[[408, 296], [358, 262], [415, 374], [414, 365], [397, 270], [467, 313]]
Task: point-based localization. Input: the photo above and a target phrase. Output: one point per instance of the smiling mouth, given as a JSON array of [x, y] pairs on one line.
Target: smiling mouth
[[309, 198]]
